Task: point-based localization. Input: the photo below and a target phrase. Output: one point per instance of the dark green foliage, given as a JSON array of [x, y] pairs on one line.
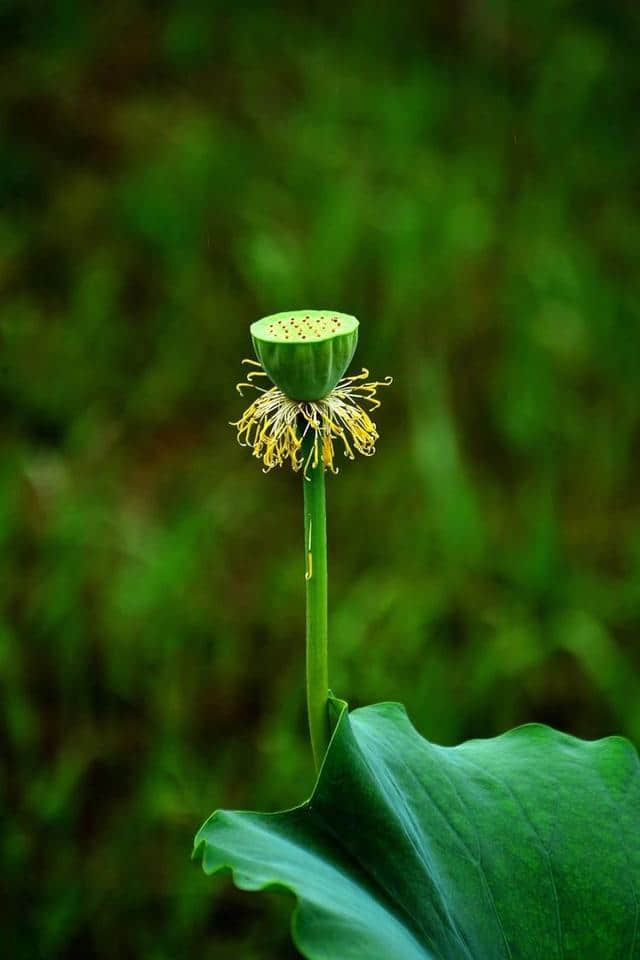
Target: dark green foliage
[[525, 846], [463, 178]]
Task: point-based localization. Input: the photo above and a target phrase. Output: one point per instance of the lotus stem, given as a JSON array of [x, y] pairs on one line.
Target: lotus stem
[[315, 544]]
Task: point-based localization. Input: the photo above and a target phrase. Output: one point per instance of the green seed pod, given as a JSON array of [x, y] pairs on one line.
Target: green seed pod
[[305, 352]]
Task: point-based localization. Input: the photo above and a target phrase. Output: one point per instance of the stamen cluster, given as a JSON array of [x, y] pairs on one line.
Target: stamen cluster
[[274, 426]]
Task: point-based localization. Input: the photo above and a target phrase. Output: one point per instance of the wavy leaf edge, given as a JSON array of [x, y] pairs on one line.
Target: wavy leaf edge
[[339, 711]]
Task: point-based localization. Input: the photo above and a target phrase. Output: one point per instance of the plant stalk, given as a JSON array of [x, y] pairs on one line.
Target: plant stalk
[[315, 545]]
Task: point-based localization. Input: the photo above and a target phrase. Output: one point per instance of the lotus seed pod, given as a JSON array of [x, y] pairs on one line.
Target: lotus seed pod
[[305, 352]]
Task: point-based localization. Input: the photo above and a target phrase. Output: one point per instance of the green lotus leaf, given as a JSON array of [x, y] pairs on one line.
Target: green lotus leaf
[[523, 846]]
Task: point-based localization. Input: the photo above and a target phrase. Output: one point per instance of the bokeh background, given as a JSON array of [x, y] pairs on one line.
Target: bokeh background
[[463, 177]]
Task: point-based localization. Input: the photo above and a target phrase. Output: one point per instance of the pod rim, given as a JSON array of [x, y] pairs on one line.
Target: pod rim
[[303, 326]]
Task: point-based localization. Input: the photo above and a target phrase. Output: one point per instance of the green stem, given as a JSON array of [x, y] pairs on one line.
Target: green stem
[[315, 545]]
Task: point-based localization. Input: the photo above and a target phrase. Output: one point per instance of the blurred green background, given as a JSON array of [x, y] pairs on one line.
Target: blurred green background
[[463, 177]]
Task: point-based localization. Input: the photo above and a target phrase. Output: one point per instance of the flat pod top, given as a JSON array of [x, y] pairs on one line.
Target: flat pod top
[[305, 352]]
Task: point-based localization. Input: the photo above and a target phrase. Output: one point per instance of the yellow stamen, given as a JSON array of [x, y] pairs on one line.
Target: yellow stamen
[[274, 424]]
